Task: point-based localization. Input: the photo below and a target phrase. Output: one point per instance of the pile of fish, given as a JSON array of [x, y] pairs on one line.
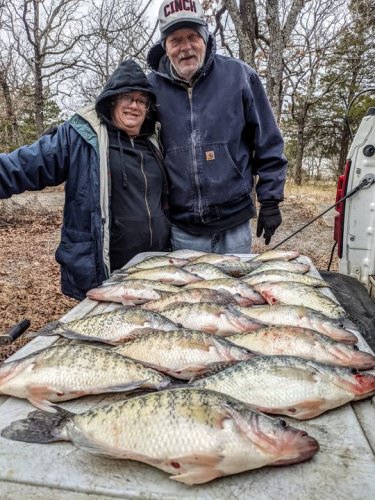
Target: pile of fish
[[210, 343]]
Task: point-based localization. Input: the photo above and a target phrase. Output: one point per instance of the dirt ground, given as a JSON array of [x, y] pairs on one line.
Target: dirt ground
[[29, 235]]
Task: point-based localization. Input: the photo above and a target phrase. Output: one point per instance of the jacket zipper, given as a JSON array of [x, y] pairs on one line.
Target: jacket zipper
[[146, 202], [195, 166]]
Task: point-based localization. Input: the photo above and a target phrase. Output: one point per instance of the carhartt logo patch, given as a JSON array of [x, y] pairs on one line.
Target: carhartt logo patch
[[210, 155]]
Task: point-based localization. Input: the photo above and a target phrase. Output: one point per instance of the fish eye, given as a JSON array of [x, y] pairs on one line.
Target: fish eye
[[282, 422], [355, 347], [354, 371]]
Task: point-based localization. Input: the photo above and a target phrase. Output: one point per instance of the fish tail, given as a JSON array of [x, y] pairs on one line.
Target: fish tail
[[39, 427], [48, 329], [353, 323]]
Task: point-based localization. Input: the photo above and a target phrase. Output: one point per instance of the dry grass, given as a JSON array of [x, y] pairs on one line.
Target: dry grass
[[29, 235]]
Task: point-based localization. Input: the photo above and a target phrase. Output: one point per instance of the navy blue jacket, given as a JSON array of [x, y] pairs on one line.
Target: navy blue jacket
[[217, 134], [71, 155], [77, 153]]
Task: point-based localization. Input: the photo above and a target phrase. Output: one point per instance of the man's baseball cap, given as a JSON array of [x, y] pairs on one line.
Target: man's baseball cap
[[176, 14]]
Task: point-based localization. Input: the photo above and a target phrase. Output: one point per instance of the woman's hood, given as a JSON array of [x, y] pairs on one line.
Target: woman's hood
[[127, 77]]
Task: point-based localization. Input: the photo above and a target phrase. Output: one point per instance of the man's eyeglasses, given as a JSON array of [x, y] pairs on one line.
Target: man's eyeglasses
[[128, 99]]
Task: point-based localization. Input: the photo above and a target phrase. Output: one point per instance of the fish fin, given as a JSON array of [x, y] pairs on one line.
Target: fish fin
[[213, 368], [130, 386], [198, 475], [51, 328], [209, 329], [187, 372], [301, 411], [39, 427], [197, 469], [130, 302], [87, 443], [71, 334], [38, 396]]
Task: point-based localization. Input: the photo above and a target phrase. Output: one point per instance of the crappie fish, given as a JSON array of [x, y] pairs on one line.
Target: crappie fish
[[279, 265], [166, 274], [206, 271], [190, 296], [287, 385], [157, 261], [126, 294], [276, 255], [292, 293], [210, 318], [192, 434], [215, 258], [149, 284], [307, 344], [111, 327], [185, 253], [64, 372], [242, 292], [289, 315], [237, 268], [182, 353], [276, 276]]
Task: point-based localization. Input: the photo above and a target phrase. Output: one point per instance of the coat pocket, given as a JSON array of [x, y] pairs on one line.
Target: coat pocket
[[76, 256], [222, 179]]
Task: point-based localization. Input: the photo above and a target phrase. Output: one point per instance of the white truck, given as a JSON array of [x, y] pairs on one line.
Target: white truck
[[354, 231], [355, 219]]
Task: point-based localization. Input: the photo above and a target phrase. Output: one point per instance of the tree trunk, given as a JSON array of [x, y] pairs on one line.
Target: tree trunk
[[344, 148], [300, 144], [16, 138], [244, 39], [248, 13], [38, 97], [275, 60], [299, 155]]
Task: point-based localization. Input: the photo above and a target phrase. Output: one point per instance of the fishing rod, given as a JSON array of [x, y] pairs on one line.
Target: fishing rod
[[366, 182]]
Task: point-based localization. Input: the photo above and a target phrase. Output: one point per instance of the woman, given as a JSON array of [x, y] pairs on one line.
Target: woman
[[115, 185]]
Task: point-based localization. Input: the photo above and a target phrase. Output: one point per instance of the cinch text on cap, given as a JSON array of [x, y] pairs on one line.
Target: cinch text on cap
[[179, 5]]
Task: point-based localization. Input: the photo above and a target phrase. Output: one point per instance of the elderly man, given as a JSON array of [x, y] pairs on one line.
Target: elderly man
[[218, 132]]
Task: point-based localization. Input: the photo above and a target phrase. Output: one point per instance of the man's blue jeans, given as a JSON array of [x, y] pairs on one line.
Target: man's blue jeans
[[236, 240]]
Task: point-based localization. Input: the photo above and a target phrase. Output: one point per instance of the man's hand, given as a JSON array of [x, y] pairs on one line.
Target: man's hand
[[269, 219]]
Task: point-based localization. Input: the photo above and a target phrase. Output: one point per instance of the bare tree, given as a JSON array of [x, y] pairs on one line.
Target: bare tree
[[12, 76], [264, 29], [313, 42], [45, 34], [115, 30]]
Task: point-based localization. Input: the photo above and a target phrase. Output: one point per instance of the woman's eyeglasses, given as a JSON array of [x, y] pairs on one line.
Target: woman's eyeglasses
[[141, 102]]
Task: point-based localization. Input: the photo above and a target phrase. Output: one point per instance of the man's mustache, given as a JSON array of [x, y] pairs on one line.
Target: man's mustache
[[187, 53]]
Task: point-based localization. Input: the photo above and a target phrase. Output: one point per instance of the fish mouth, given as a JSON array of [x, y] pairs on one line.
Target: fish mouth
[[297, 446], [349, 357], [361, 385], [95, 293]]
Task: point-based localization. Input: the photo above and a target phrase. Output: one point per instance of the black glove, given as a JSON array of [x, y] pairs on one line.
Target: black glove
[[269, 219]]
